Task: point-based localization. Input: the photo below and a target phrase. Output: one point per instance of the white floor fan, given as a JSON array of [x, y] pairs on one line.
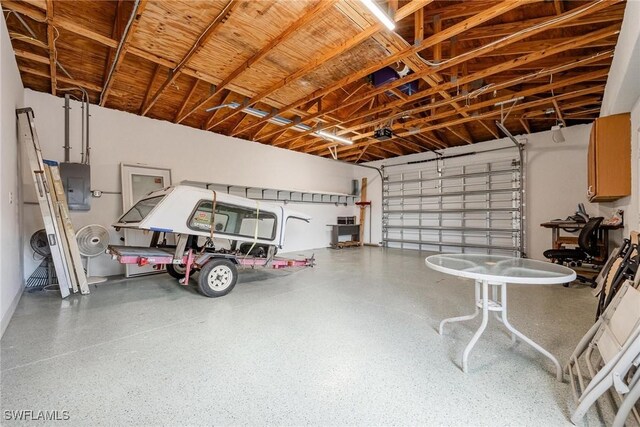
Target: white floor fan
[[92, 241]]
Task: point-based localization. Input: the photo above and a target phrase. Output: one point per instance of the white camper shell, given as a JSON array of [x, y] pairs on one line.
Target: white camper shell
[[184, 209], [254, 229]]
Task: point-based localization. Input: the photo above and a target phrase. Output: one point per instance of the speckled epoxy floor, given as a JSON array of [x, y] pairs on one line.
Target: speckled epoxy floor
[[352, 341]]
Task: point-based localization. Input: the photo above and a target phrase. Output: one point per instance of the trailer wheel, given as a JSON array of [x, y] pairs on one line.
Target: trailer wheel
[[217, 278], [177, 270]]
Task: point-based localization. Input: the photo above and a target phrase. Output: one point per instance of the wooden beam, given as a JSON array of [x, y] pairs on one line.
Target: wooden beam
[[199, 43], [557, 4], [327, 55], [612, 13], [115, 32], [122, 51], [73, 82], [406, 52], [491, 130], [487, 115], [437, 48], [525, 125], [504, 66], [51, 40], [559, 112], [458, 134], [418, 26], [498, 68], [420, 123], [186, 100], [310, 16], [147, 93], [445, 34], [226, 99]]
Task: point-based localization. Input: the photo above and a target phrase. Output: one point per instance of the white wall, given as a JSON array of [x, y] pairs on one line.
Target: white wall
[[622, 94], [556, 179], [11, 97], [191, 154]]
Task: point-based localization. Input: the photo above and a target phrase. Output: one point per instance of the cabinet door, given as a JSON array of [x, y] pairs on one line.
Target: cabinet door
[[613, 157], [591, 165]]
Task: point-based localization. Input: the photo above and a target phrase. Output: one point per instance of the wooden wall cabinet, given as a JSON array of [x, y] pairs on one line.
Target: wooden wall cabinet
[[609, 160]]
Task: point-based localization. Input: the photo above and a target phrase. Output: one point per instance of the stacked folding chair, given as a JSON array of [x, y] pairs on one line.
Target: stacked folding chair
[[610, 350]]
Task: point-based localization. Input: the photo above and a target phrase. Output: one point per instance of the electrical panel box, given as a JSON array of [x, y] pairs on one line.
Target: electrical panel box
[[76, 179]]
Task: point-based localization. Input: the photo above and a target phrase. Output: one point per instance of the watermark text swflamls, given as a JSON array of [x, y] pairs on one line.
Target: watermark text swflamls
[[32, 415]]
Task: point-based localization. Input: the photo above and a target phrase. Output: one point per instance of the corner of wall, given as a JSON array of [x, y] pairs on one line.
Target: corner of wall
[[11, 97]]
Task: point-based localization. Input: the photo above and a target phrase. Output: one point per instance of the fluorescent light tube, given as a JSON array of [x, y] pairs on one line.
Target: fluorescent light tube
[[382, 17], [334, 137]]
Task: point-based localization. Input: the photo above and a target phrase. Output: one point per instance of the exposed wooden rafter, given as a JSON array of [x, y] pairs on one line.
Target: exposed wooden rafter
[[200, 41], [123, 48], [308, 63], [283, 36]]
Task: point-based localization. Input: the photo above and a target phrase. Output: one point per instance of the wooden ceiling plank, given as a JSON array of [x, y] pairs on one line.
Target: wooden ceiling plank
[[590, 8], [403, 12], [490, 130], [325, 56], [447, 33], [435, 39], [364, 150], [123, 46], [613, 13], [72, 82], [490, 103], [226, 99], [51, 41], [254, 135], [567, 106], [504, 66], [487, 115], [115, 32], [147, 93], [311, 15], [186, 100], [510, 94], [199, 43], [459, 135]]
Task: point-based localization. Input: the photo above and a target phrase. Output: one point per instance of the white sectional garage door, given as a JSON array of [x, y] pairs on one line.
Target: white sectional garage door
[[467, 204]]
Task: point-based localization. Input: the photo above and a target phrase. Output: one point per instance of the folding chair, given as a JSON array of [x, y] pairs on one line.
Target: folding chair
[[616, 336], [623, 268], [629, 402]]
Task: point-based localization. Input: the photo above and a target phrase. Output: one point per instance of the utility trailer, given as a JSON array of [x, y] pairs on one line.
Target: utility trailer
[[253, 232]]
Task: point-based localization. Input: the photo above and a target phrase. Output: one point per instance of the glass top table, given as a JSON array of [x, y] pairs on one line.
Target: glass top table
[[501, 268], [494, 272]]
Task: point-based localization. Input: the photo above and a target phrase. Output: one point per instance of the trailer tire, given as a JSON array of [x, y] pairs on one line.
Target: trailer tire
[[217, 278], [177, 270]]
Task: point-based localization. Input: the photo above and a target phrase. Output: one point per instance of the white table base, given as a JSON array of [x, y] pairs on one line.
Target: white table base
[[497, 304]]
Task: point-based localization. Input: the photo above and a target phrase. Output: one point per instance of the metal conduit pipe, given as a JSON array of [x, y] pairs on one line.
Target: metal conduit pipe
[[119, 49], [84, 154]]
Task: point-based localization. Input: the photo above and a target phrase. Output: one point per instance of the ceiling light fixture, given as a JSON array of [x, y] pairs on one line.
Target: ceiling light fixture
[[378, 13], [325, 134], [556, 133]]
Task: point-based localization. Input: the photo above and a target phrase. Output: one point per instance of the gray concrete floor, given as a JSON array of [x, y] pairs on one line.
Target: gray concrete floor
[[351, 341]]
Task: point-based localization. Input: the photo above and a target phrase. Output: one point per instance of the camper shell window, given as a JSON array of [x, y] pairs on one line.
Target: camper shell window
[[140, 210], [237, 220]]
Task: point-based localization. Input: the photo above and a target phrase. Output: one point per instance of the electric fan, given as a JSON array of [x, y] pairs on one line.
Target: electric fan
[[92, 241], [40, 244]]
